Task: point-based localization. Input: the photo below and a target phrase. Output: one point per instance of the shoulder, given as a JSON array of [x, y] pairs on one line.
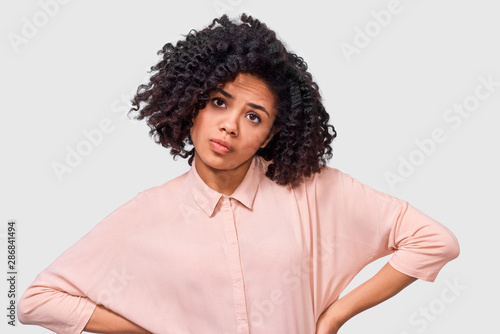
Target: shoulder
[[329, 179], [332, 183], [167, 189], [149, 201]]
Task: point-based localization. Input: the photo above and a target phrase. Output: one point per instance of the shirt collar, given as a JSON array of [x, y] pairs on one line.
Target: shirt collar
[[207, 198]]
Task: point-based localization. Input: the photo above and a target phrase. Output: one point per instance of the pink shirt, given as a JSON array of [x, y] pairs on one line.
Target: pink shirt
[[182, 258]]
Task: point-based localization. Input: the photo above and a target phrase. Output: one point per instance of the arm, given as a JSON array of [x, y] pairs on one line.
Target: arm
[[385, 284], [367, 224], [106, 321], [62, 312], [96, 270]]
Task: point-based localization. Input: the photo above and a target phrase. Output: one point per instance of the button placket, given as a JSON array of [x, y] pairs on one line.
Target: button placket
[[235, 267]]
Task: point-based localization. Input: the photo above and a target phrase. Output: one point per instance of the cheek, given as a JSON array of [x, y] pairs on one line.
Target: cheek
[[198, 124], [192, 130], [257, 138]]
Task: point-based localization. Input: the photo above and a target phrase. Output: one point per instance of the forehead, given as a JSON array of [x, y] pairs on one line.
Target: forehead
[[249, 86]]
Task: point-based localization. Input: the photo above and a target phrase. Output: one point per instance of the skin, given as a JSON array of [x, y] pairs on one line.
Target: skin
[[106, 321], [242, 113], [384, 285]]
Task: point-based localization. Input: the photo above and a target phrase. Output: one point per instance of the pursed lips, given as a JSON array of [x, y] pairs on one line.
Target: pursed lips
[[223, 143]]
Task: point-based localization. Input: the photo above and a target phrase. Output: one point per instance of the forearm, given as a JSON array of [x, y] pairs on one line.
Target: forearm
[[44, 305], [385, 284], [106, 321], [62, 312]]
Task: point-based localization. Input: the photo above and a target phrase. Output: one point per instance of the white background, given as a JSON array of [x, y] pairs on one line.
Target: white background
[[85, 61]]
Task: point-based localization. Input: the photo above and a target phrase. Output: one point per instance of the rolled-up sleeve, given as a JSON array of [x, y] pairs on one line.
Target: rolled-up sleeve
[[367, 224], [63, 297], [61, 307], [422, 246]]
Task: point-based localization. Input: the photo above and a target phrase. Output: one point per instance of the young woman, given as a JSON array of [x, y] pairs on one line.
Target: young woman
[[259, 236]]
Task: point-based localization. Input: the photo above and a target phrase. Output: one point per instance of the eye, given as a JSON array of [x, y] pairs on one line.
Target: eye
[[218, 102], [254, 118]]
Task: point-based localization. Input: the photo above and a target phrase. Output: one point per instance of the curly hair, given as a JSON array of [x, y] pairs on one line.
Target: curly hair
[[188, 71]]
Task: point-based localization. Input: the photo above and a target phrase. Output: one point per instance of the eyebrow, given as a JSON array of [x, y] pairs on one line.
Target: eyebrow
[[253, 105]]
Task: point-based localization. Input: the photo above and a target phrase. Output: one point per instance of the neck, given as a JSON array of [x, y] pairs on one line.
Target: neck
[[224, 181]]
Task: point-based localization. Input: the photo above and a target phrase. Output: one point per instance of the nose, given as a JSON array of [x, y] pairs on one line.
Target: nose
[[230, 124]]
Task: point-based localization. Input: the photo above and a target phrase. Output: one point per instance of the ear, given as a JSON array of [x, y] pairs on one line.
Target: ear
[[274, 130]]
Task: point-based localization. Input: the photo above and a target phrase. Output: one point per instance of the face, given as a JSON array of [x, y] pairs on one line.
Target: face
[[235, 123]]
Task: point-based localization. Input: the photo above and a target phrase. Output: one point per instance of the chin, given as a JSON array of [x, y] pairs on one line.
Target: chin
[[226, 165]]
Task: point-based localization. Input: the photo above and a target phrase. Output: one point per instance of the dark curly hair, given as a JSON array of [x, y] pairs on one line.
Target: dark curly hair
[[188, 71]]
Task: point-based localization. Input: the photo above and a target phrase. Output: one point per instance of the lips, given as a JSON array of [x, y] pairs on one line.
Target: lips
[[220, 145]]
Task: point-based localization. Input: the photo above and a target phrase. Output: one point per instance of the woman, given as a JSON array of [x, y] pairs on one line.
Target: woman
[[259, 235]]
